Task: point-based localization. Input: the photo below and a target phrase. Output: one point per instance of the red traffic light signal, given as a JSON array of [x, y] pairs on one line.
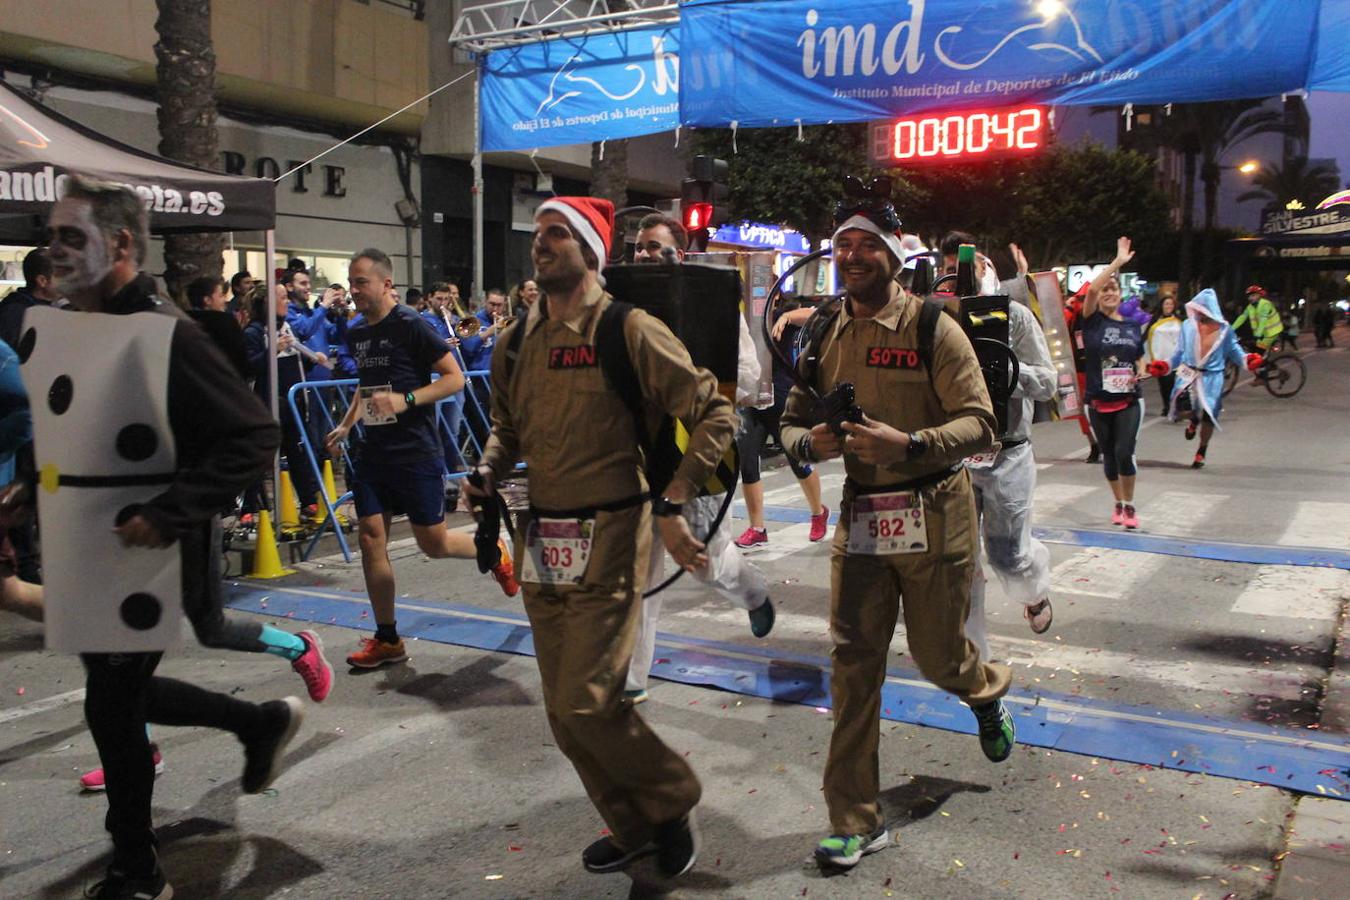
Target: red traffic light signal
[[697, 216]]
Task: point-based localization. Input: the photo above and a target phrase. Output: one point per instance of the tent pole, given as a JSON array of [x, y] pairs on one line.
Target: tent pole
[[477, 293], [270, 249]]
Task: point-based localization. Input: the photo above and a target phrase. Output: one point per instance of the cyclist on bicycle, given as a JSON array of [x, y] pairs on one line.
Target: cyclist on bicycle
[[1263, 319]]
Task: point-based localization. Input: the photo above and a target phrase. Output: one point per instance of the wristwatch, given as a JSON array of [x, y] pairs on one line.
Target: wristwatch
[[663, 507], [917, 447], [410, 399]]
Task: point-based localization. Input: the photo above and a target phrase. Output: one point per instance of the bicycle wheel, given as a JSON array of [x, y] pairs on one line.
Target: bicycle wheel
[[1230, 378], [1285, 375]]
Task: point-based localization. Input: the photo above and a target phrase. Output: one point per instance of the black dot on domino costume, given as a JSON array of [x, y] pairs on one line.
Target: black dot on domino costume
[[60, 394], [136, 442], [26, 344], [140, 612]]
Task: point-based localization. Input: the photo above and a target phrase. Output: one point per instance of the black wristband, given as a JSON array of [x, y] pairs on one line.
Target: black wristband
[[409, 399]]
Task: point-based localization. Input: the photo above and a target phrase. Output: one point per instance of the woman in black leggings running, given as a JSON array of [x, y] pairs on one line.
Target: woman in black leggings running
[[1114, 351]]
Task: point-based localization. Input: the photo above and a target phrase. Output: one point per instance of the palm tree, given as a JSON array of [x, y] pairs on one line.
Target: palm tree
[[1201, 132], [185, 72], [1296, 180]]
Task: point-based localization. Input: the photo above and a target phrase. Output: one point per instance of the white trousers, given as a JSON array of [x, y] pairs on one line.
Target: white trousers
[[741, 582], [1003, 494]]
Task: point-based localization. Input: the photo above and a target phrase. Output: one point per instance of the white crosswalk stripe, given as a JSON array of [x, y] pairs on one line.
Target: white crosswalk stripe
[[1296, 592], [1022, 653], [1108, 573], [1318, 524]]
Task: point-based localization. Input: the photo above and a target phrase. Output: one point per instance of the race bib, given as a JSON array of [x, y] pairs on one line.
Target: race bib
[[981, 460], [557, 550], [881, 524], [369, 416], [1118, 380]]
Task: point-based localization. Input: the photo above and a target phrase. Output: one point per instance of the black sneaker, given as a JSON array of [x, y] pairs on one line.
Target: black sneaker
[[121, 886], [761, 619], [676, 846], [1094, 455], [606, 856], [262, 753]]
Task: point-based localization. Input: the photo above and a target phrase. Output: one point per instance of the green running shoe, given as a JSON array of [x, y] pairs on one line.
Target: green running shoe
[[843, 851], [997, 732]]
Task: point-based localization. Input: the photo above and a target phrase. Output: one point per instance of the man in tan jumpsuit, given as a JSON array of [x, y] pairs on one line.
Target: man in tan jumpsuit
[[907, 519], [586, 540]]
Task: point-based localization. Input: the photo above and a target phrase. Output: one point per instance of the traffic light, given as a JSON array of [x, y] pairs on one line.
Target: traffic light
[[703, 200]]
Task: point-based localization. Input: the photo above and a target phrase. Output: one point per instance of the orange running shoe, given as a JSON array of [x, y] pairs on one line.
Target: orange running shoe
[[505, 573], [375, 653]]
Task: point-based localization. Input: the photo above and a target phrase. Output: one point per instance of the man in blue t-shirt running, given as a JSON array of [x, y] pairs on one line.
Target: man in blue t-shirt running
[[397, 463]]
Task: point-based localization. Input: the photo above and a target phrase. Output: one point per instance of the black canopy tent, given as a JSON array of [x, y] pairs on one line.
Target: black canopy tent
[[39, 148]]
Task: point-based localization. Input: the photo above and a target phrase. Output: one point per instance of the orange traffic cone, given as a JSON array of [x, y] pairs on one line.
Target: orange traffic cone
[[266, 559]]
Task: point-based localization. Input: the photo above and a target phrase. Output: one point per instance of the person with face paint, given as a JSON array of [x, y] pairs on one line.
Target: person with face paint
[[907, 520], [222, 439], [1114, 364]]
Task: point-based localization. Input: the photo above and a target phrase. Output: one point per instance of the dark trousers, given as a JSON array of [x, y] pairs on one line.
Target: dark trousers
[[1117, 433], [297, 463], [479, 416], [122, 694], [1165, 383]]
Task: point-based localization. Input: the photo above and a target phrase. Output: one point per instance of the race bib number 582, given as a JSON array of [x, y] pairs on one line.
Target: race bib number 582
[[882, 524]]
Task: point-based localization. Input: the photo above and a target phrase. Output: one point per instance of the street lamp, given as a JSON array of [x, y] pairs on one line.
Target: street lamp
[[1249, 167]]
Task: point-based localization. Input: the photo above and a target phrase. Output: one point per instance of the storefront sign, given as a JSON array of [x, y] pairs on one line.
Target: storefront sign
[[763, 237]]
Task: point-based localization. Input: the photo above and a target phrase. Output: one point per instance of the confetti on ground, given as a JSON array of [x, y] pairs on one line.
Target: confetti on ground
[[492, 878]]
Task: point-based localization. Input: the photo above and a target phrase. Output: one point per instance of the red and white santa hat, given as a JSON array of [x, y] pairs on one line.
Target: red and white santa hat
[[590, 217], [890, 238]]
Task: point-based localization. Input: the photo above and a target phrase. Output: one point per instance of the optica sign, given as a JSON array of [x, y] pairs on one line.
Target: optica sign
[[763, 237]]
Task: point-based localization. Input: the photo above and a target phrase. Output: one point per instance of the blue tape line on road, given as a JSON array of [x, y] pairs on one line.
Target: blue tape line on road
[[1172, 740], [1167, 545]]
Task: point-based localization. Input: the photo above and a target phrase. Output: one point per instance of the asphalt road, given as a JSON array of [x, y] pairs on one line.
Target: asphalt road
[[439, 777]]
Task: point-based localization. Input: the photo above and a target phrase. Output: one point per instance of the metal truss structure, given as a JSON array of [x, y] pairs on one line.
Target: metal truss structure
[[504, 23]]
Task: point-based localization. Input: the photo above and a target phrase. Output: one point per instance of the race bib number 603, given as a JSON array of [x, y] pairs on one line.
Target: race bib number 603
[[557, 550], [882, 524]]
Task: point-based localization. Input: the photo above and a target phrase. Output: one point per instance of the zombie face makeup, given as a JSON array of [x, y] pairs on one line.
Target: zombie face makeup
[[80, 252]]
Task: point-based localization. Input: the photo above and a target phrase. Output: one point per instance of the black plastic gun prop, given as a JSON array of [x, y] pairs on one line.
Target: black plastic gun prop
[[489, 512]]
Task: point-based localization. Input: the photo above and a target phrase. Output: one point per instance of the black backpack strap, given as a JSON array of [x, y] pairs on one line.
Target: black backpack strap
[[611, 345], [820, 324], [512, 348], [929, 314]]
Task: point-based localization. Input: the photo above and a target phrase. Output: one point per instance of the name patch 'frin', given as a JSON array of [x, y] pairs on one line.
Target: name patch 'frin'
[[893, 358], [579, 357]]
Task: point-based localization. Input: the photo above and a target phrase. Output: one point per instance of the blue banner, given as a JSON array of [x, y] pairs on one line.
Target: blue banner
[[779, 62], [579, 90]]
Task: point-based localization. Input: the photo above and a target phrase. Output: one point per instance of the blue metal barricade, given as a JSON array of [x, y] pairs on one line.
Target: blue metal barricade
[[345, 389]]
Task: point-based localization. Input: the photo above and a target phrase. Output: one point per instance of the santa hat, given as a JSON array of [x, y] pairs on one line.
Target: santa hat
[[890, 238], [590, 217]]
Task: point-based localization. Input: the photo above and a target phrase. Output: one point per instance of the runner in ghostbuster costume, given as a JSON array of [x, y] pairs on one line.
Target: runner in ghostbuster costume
[[907, 517], [1005, 478], [1207, 345]]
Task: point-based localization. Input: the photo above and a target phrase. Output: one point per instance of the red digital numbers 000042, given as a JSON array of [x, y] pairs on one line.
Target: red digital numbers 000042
[[919, 139]]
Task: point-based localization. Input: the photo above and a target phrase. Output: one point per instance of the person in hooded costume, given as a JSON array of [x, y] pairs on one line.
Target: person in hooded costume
[[1206, 346]]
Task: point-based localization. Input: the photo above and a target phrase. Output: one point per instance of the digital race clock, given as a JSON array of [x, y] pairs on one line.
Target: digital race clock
[[959, 136]]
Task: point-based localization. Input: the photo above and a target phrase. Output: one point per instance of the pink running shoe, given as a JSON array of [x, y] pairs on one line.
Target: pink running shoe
[[752, 537], [313, 667], [819, 524], [1131, 520], [93, 779], [1118, 517]]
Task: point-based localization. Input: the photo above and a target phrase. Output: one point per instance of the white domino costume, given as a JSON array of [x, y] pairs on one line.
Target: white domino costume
[[104, 376]]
